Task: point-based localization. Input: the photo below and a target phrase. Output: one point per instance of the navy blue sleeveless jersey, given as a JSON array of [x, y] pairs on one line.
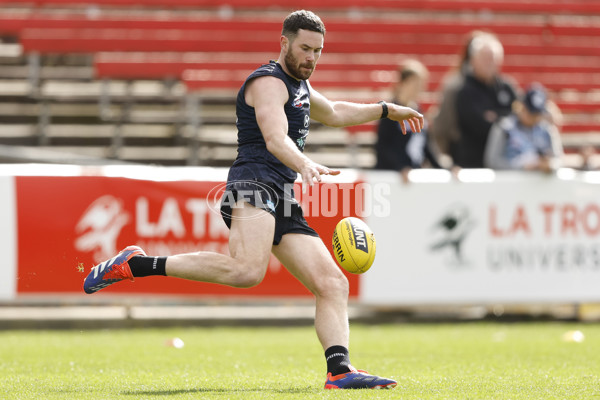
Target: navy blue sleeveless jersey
[[254, 161]]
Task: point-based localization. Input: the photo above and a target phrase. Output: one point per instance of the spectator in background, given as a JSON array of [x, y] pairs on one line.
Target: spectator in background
[[484, 97], [396, 151], [444, 130], [525, 140]]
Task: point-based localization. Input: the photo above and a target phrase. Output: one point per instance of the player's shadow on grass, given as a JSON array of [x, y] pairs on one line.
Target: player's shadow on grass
[[176, 392]]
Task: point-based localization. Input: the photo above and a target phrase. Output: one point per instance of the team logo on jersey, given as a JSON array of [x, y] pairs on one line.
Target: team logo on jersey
[[297, 103]]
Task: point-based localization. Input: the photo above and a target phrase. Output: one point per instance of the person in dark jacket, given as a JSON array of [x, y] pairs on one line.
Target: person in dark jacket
[[443, 130], [485, 97]]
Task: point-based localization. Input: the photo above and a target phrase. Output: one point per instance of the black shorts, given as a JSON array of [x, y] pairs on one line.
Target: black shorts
[[279, 202]]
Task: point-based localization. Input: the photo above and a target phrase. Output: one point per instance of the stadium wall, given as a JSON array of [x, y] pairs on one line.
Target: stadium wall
[[8, 235], [487, 237], [481, 237]]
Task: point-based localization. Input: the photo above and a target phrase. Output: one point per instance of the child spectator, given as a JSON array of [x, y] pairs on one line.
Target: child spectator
[[525, 140]]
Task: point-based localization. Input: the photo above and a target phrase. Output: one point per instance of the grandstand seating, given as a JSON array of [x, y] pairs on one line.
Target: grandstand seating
[[16, 22], [515, 6], [211, 51], [48, 35]]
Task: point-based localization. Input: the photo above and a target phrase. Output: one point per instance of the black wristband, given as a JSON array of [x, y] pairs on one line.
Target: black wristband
[[384, 111]]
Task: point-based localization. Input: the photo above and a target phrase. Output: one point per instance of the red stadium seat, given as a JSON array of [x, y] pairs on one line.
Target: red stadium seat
[[506, 6], [90, 40], [16, 22]]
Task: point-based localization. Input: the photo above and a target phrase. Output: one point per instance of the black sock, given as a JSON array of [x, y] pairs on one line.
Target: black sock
[[147, 266], [338, 360]]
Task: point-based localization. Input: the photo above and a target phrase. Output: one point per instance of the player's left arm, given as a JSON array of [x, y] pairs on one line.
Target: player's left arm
[[344, 113]]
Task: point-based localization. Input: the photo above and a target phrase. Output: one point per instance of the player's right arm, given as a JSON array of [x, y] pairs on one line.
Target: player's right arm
[[268, 96]]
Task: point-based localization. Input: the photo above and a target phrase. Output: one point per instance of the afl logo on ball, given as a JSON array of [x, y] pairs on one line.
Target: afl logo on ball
[[360, 239]]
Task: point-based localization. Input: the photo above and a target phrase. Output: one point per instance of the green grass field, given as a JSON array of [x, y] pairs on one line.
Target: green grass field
[[430, 361]]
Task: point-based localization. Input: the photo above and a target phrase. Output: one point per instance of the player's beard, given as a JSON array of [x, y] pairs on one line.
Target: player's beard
[[296, 69]]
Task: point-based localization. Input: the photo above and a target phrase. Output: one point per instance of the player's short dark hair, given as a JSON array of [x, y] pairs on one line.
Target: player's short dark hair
[[302, 19]]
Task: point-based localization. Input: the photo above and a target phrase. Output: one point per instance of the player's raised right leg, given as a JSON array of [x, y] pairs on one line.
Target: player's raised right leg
[[250, 242], [112, 270]]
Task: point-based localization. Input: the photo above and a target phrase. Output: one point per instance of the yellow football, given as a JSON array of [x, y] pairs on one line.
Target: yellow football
[[354, 245]]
